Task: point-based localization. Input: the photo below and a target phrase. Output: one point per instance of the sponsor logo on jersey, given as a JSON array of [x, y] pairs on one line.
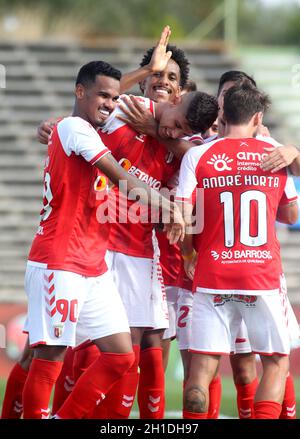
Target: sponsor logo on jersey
[[100, 183], [125, 163], [215, 255], [220, 162], [251, 156], [141, 175]]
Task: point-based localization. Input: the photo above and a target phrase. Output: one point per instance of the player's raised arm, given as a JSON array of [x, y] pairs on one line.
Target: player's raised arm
[[158, 62], [146, 195]]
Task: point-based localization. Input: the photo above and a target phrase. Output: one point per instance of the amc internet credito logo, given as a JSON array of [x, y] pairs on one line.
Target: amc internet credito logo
[[220, 162]]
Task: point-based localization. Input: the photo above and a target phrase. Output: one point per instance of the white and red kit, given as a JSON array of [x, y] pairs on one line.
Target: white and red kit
[[173, 272], [131, 241], [66, 262], [239, 253]]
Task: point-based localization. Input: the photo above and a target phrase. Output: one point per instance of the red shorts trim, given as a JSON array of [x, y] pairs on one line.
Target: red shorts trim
[[270, 354], [193, 351], [36, 344]]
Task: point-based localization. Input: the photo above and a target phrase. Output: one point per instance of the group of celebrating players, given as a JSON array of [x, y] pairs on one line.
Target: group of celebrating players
[[158, 221]]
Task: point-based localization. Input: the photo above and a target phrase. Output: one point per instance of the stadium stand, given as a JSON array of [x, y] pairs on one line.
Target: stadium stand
[[39, 84]]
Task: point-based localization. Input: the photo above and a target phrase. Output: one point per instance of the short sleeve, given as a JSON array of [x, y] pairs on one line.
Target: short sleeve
[[289, 193], [78, 136], [187, 178]]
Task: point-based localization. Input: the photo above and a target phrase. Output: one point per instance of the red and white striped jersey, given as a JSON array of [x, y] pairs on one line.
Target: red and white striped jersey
[[69, 236], [146, 159], [238, 249]]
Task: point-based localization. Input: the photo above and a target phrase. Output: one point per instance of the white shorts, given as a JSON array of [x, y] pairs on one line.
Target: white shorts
[[217, 319], [59, 301], [172, 301], [242, 344], [184, 319], [139, 283]]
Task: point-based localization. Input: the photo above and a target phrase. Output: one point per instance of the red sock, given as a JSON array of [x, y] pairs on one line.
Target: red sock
[[83, 358], [65, 381], [151, 391], [215, 394], [119, 400], [12, 407], [95, 383], [192, 415], [38, 387], [289, 401], [245, 399], [267, 410]]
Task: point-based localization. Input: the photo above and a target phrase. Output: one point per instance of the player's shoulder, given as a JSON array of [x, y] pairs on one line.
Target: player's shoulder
[[196, 152], [270, 140], [74, 124]]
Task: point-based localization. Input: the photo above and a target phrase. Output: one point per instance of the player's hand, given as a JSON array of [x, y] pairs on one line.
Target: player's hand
[[279, 158], [160, 56], [137, 116], [176, 227], [44, 130], [190, 265], [262, 130]]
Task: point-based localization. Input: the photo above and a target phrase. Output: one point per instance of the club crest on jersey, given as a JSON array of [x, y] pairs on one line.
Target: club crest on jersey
[[169, 157], [220, 162], [58, 330], [100, 183]]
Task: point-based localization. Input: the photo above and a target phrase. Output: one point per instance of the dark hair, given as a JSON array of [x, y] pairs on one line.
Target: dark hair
[[241, 102], [178, 56], [234, 76], [88, 72], [190, 86], [202, 111]]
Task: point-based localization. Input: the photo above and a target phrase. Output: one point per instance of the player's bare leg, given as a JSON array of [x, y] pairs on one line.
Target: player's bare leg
[[166, 346], [270, 392], [243, 368], [26, 356], [272, 383], [186, 362], [196, 392], [215, 386]]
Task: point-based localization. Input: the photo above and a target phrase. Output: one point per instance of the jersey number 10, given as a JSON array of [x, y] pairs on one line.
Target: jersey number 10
[[245, 218]]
